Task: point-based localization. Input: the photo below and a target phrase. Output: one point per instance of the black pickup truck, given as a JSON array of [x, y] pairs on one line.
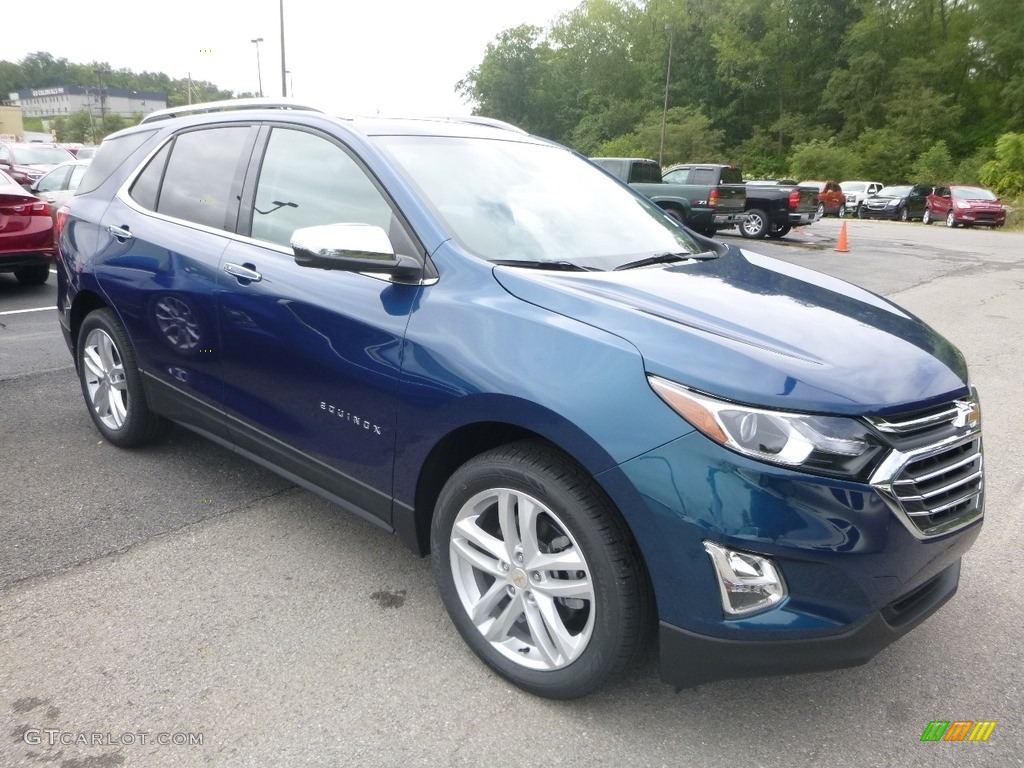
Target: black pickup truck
[[774, 207], [703, 196]]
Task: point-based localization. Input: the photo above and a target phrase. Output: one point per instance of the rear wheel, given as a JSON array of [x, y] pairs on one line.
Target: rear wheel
[[33, 275], [112, 385], [755, 225], [675, 214], [821, 211], [538, 571], [777, 232]]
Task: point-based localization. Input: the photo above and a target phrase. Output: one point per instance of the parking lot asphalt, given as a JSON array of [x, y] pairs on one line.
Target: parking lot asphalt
[[178, 606]]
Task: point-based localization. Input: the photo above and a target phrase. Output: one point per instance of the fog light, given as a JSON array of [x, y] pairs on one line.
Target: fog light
[[748, 583]]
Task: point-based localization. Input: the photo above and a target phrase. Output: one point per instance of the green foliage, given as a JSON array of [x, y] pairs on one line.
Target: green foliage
[[1005, 174], [823, 160], [883, 155], [689, 136], [934, 165]]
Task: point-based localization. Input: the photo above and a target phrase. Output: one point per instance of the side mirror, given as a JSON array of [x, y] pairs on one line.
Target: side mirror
[[353, 248]]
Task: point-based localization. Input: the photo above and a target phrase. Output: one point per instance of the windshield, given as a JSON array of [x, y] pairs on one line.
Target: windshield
[[853, 186], [893, 192], [972, 193], [42, 155], [518, 201]]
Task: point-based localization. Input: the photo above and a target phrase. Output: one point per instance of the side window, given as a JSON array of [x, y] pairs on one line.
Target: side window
[[54, 182], [678, 176], [703, 176], [201, 174], [77, 172], [306, 180], [109, 156], [146, 189]]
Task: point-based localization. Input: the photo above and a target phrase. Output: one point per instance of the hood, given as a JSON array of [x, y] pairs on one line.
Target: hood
[[760, 331]]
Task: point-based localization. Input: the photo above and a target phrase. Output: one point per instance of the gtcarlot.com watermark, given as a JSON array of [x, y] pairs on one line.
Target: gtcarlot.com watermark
[[52, 737]]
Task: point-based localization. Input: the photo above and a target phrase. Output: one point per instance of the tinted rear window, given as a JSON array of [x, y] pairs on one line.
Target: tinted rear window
[[731, 176], [111, 154], [645, 173]]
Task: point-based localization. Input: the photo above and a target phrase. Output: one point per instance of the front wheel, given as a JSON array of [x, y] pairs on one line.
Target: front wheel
[[904, 214], [112, 385], [538, 571], [951, 219], [842, 211], [820, 213], [926, 217], [755, 225]]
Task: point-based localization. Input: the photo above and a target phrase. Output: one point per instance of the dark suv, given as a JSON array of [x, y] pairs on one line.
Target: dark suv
[[597, 423]]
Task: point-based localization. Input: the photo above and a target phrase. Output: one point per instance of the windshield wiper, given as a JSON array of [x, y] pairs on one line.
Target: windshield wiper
[[665, 258], [562, 266]]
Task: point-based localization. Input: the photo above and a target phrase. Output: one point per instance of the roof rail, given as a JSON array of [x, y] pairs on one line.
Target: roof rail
[[488, 121], [229, 105]]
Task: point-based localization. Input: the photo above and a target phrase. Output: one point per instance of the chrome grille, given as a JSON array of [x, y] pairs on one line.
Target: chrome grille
[[938, 487]]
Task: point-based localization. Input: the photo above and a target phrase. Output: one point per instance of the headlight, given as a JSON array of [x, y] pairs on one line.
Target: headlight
[[892, 203], [832, 445]]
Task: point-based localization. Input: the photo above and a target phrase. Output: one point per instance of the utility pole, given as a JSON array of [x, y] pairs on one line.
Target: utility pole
[[284, 70], [669, 26], [259, 70]]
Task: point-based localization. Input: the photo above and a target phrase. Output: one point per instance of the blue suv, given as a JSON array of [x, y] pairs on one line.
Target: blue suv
[[600, 425]]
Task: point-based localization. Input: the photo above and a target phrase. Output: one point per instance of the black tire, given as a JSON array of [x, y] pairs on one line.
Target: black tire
[[776, 232], [860, 211], [904, 214], [36, 275], [111, 383], [605, 630], [842, 211], [820, 213], [756, 224], [675, 214], [926, 217], [951, 219]]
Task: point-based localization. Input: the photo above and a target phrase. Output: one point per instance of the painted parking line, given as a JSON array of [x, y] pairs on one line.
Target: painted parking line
[[20, 311]]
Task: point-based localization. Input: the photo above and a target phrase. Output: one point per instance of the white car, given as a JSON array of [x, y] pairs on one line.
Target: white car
[[857, 192]]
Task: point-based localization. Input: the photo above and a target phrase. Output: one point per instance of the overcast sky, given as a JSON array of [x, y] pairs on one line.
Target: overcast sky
[[396, 57]]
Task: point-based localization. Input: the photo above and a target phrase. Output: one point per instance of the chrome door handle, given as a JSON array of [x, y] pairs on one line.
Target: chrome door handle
[[121, 234], [243, 272]]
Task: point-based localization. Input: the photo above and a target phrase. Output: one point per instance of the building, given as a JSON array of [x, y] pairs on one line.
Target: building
[[68, 99], [11, 127]]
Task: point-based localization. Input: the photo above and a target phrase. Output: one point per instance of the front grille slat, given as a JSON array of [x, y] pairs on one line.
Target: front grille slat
[[937, 487]]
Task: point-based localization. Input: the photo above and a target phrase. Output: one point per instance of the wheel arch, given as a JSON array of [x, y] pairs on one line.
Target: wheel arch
[[85, 301]]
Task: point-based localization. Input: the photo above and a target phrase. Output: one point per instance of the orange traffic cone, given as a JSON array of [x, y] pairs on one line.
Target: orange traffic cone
[[843, 246]]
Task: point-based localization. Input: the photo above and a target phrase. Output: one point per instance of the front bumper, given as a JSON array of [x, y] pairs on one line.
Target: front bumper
[[857, 577], [722, 659]]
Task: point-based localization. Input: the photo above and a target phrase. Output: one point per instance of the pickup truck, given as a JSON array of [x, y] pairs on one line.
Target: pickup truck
[[774, 207], [703, 196]]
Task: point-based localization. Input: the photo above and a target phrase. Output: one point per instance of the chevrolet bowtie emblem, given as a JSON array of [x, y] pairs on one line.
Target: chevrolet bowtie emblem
[[966, 413]]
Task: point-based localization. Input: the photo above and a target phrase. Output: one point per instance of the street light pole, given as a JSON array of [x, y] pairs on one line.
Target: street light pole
[[669, 26], [259, 71], [284, 71]]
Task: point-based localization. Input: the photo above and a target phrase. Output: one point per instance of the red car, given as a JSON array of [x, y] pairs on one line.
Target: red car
[[964, 206], [26, 233], [831, 200], [26, 163]]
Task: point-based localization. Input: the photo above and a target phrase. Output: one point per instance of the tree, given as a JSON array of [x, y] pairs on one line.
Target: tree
[[823, 160], [689, 137], [934, 165], [1005, 174]]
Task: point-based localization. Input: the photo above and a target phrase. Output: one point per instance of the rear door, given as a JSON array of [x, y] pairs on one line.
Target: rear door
[[166, 238]]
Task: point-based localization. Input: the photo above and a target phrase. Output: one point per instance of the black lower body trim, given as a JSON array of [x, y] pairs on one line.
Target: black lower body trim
[[689, 659]]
